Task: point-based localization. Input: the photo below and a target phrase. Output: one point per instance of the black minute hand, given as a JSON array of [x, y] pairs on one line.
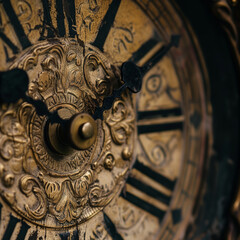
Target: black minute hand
[[132, 76], [14, 84]]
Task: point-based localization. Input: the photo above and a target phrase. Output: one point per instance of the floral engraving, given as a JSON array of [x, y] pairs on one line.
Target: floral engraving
[[40, 184]]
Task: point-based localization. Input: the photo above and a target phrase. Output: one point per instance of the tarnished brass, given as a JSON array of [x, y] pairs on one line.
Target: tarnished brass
[[61, 164], [87, 130], [79, 132], [82, 131], [135, 173]]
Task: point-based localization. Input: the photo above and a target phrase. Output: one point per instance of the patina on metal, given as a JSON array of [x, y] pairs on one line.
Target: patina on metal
[[111, 136]]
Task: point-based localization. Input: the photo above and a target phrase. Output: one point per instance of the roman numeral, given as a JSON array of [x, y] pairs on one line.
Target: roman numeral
[[143, 50], [60, 18], [144, 129], [70, 13], [23, 231], [111, 228], [66, 236], [149, 189], [159, 113], [63, 8], [159, 120], [106, 24], [11, 227], [47, 21], [9, 43], [161, 53], [24, 41], [151, 52], [169, 184]]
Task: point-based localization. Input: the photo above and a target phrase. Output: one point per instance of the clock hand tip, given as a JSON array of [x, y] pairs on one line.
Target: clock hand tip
[[13, 85], [132, 76]]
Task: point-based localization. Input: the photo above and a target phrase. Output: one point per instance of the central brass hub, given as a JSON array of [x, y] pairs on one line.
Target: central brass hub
[[79, 133], [65, 159], [86, 130]]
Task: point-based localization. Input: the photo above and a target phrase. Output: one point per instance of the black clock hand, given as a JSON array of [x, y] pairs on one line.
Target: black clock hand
[[14, 85], [132, 76]]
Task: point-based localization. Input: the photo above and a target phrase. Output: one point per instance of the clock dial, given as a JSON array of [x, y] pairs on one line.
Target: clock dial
[[115, 164]]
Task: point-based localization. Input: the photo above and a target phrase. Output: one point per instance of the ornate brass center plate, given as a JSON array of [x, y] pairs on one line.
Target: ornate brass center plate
[[40, 183], [93, 168]]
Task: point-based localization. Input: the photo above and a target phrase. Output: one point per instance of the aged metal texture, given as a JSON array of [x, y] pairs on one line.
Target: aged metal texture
[[39, 183], [134, 172]]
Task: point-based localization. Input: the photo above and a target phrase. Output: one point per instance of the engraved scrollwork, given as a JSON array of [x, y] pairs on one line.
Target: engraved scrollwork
[[157, 85], [99, 198], [87, 12], [13, 141], [67, 199], [7, 150], [160, 152], [122, 38], [66, 209], [42, 184], [121, 122], [53, 189], [29, 185], [99, 75], [81, 185], [100, 233], [25, 10], [8, 180]]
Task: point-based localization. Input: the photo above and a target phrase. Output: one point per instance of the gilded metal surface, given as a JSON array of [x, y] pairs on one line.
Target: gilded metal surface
[[41, 184], [159, 132]]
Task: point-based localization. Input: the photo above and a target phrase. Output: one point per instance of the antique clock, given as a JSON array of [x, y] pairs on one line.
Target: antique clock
[[119, 119]]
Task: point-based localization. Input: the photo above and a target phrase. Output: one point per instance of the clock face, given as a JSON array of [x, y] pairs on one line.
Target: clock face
[[139, 175]]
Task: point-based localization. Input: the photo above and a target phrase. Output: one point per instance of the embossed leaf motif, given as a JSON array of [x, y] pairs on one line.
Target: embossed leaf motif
[[121, 122], [66, 199], [67, 208], [52, 189], [7, 150], [13, 141], [68, 189], [98, 76], [99, 197], [81, 185], [30, 186]]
